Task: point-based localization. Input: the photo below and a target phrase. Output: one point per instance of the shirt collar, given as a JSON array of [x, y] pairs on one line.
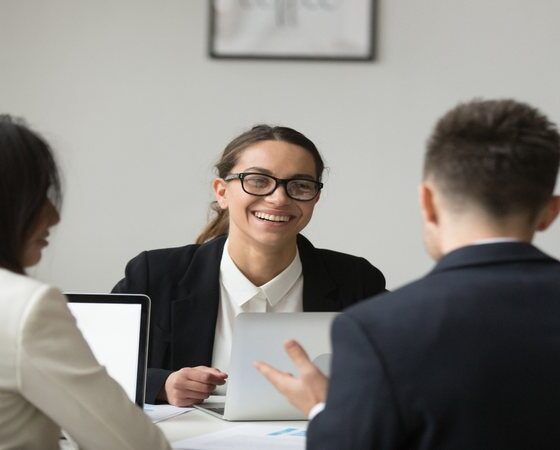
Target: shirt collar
[[277, 288], [494, 240], [238, 287], [241, 290]]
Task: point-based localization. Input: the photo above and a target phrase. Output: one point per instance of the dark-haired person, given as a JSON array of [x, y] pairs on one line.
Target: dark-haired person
[[49, 377], [467, 357], [250, 258]]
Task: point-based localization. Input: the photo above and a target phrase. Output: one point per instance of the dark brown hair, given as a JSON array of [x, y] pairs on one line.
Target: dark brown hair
[[500, 154], [28, 176], [219, 224]]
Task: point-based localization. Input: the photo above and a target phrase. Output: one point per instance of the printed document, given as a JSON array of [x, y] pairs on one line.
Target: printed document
[[248, 437]]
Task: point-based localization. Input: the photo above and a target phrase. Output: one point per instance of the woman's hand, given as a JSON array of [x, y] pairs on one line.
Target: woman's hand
[[192, 385]]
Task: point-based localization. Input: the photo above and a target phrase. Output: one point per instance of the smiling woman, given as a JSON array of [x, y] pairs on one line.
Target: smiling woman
[[250, 257]]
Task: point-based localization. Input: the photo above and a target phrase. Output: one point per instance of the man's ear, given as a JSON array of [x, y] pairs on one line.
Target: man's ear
[[549, 213], [427, 203], [220, 190]]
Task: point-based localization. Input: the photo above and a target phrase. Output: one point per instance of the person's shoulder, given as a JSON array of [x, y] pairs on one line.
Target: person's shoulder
[[19, 285], [410, 302], [172, 253], [20, 293], [162, 264], [183, 254], [173, 261], [327, 254], [334, 255], [340, 263]]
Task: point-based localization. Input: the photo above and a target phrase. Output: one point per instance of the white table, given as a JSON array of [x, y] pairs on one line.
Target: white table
[[195, 423]]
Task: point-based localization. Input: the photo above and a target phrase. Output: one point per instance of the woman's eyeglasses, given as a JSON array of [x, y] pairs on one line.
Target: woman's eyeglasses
[[262, 185]]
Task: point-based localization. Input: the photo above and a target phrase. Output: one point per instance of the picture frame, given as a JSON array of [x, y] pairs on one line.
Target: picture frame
[[327, 30]]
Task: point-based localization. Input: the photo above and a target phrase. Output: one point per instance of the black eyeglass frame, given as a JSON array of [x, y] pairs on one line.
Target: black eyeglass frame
[[278, 182]]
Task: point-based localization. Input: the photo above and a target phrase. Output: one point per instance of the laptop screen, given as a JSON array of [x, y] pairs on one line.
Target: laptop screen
[[116, 328]]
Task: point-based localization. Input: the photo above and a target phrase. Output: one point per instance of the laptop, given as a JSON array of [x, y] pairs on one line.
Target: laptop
[[260, 336], [116, 328]]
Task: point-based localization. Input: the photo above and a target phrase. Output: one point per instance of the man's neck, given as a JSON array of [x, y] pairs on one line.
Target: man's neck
[[469, 232]]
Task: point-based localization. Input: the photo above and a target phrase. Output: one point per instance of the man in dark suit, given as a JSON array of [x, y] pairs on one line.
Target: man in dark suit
[[467, 357]]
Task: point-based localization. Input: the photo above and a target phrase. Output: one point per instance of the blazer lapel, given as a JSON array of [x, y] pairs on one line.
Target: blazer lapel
[[319, 291], [194, 316]]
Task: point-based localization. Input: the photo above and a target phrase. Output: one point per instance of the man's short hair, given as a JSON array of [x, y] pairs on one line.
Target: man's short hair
[[501, 155]]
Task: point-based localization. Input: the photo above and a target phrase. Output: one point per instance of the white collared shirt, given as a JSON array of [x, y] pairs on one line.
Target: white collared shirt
[[284, 293]]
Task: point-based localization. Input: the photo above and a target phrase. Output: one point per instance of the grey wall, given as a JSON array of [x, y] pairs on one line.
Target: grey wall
[[138, 113]]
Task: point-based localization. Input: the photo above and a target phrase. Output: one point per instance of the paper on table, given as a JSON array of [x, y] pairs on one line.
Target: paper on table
[[248, 437], [159, 413]]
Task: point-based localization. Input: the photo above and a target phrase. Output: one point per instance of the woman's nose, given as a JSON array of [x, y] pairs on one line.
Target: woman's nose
[[279, 196]]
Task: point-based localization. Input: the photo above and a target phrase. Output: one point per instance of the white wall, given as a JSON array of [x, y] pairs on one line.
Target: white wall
[[138, 114]]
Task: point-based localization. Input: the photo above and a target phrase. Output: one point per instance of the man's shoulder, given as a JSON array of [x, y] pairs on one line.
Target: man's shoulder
[[444, 291], [404, 301]]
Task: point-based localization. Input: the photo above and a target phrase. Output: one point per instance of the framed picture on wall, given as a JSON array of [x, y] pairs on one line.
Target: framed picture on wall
[[292, 29]]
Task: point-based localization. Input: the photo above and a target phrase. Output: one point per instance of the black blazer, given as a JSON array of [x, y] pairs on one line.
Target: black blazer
[[183, 284], [466, 358]]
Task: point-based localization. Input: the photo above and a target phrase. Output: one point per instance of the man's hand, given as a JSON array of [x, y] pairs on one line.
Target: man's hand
[[192, 385], [305, 391]]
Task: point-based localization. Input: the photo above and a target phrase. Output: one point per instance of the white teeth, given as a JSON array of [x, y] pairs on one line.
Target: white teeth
[[271, 217]]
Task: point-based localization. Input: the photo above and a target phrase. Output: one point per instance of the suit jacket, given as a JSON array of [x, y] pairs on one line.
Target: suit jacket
[[183, 284], [50, 379], [467, 357]]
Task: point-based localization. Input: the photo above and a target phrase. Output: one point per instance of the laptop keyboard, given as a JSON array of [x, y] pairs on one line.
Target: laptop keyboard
[[218, 410]]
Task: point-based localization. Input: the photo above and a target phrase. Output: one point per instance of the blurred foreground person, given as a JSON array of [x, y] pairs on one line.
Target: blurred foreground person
[[49, 378]]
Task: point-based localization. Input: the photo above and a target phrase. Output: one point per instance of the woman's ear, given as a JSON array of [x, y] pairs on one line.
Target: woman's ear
[[316, 199], [220, 191]]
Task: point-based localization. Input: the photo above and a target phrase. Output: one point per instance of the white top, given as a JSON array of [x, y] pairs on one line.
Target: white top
[[284, 293], [49, 379]]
